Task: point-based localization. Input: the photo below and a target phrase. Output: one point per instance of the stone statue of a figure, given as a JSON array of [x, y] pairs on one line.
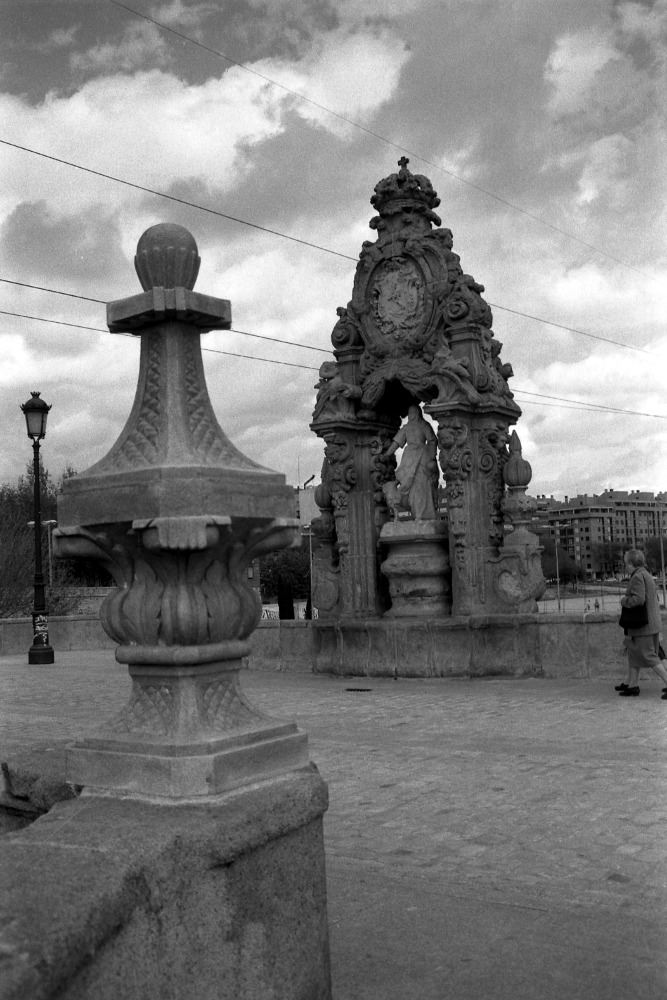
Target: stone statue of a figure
[[417, 473]]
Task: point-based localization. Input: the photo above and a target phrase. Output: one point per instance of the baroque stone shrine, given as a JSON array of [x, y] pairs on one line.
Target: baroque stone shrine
[[416, 338]]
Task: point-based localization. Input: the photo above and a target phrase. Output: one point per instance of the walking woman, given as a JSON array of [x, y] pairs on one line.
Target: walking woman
[[641, 643]]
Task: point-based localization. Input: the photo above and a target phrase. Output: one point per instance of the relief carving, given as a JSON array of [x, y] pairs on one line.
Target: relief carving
[[424, 336], [335, 398], [456, 460], [140, 447], [397, 297]]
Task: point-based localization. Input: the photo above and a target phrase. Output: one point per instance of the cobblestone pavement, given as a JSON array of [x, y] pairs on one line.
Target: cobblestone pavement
[[479, 802]]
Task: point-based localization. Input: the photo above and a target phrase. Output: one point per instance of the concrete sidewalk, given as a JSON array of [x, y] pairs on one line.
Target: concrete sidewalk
[[488, 838]]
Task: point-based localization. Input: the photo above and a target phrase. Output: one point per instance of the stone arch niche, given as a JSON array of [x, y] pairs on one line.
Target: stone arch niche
[[418, 332]]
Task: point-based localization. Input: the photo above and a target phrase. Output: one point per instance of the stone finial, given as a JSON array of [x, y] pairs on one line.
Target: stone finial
[[517, 472], [177, 514], [167, 257]]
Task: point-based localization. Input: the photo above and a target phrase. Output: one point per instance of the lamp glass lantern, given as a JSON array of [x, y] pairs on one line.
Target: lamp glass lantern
[[36, 412]]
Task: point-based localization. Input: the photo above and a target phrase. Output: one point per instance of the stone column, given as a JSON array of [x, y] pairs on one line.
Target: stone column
[[354, 472], [472, 448]]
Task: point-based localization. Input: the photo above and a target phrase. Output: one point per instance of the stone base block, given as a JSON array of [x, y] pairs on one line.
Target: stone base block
[[117, 898], [173, 772], [528, 645]]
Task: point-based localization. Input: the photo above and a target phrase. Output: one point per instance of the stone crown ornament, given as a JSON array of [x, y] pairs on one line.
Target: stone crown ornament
[[405, 190]]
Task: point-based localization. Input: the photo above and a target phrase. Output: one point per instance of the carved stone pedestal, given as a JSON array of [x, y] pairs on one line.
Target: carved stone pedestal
[[177, 515], [417, 566], [186, 732]]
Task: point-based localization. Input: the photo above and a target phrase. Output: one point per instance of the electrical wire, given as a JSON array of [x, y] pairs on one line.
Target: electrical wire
[[564, 401], [99, 329], [572, 329], [171, 197], [593, 406], [494, 305], [388, 142]]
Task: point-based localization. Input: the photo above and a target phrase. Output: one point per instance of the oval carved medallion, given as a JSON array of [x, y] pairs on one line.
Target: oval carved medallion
[[397, 297]]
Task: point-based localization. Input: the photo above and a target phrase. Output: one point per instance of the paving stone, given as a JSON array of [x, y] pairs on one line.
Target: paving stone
[[454, 796]]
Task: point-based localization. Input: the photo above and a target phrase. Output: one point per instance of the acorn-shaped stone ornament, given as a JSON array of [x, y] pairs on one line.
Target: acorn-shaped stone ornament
[[167, 257]]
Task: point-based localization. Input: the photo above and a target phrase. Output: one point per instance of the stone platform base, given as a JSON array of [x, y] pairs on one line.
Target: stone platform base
[[482, 645], [108, 898], [172, 772]]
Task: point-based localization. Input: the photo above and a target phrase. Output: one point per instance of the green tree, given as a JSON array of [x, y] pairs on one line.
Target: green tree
[[608, 556], [565, 568], [652, 552], [287, 567], [17, 549]]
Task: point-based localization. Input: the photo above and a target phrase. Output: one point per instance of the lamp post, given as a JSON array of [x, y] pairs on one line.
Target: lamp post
[[49, 544], [36, 412]]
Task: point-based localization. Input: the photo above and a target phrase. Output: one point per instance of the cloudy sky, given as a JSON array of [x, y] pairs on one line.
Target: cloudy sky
[[541, 125]]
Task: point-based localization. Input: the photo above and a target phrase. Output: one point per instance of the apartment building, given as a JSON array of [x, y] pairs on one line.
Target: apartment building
[[594, 530]]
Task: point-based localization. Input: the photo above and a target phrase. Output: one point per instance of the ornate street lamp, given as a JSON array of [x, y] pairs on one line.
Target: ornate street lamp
[[36, 412]]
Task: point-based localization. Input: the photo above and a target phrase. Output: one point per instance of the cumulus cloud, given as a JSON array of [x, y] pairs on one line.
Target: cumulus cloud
[[60, 38], [177, 13], [351, 74], [142, 43], [561, 117]]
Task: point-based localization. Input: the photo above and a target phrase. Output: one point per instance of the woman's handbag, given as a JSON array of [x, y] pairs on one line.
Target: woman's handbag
[[634, 617]]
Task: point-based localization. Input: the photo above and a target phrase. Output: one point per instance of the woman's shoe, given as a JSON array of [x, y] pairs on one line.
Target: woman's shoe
[[629, 692], [622, 687]]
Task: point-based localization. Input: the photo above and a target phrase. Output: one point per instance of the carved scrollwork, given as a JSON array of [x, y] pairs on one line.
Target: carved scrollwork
[[466, 463], [382, 466], [466, 303], [342, 474], [487, 463], [347, 331], [456, 461]]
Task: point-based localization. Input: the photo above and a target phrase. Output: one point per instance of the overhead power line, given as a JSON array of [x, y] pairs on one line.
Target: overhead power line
[[382, 138], [572, 329], [592, 406], [171, 197], [494, 305], [559, 400], [99, 329], [54, 291]]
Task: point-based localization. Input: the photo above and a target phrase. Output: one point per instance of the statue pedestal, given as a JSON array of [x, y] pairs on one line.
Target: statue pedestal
[[418, 570]]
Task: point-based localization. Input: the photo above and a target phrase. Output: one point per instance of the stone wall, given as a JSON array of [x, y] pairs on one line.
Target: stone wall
[[108, 898], [71, 632], [549, 646], [546, 645]]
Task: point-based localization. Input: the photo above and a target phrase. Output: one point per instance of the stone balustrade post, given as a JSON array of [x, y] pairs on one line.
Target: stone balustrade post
[[176, 513]]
